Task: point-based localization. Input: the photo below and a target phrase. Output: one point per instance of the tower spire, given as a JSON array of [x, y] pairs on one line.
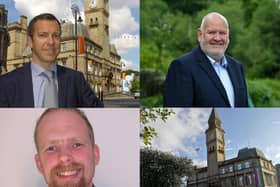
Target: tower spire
[[214, 120], [215, 143]]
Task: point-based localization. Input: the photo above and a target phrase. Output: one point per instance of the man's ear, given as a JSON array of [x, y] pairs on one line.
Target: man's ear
[[199, 34], [38, 163], [30, 41], [96, 153]]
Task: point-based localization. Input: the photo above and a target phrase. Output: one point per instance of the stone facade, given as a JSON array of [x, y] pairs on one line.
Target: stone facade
[[249, 169], [4, 39], [97, 58]]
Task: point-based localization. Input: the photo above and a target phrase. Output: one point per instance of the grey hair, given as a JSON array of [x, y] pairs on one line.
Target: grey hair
[[210, 15]]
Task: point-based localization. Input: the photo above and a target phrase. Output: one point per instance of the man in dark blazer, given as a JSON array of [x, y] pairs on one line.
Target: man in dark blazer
[[29, 86], [16, 89], [206, 77]]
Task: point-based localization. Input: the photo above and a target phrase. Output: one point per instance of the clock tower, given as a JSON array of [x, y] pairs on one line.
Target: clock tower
[[97, 23], [215, 143]]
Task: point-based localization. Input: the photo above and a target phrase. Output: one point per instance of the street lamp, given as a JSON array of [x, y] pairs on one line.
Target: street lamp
[[76, 11]]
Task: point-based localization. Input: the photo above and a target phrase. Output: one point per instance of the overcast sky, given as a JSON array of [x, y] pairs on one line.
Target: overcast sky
[[184, 133], [124, 21]]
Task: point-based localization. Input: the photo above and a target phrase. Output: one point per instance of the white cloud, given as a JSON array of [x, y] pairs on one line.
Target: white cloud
[[181, 131], [126, 64], [30, 8], [122, 21], [125, 42], [273, 153], [200, 163]]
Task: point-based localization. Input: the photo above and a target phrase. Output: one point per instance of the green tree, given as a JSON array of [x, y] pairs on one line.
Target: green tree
[[249, 7], [159, 169], [135, 84], [256, 45], [161, 42], [148, 115], [187, 6]]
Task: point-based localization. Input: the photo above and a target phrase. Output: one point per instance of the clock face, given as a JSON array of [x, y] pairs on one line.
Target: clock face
[[211, 136], [93, 3]]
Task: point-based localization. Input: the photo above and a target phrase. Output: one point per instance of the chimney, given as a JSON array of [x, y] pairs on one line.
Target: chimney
[[23, 22]]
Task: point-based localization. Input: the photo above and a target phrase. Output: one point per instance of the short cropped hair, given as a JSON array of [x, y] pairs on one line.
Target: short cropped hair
[[51, 110], [211, 14], [44, 16]]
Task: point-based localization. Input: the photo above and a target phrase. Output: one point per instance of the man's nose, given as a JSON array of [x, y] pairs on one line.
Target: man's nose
[[51, 40], [217, 36], [65, 155]]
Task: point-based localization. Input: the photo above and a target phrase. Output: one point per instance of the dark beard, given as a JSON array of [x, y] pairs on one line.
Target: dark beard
[[72, 166]]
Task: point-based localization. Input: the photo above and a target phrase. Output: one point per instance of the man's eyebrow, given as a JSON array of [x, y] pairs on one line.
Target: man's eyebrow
[[56, 32], [50, 142]]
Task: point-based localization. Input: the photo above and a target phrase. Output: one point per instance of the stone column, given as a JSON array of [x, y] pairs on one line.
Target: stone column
[[4, 39]]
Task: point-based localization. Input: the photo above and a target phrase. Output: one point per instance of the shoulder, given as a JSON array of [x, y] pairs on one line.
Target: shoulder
[[233, 61], [17, 73], [67, 71], [188, 59]]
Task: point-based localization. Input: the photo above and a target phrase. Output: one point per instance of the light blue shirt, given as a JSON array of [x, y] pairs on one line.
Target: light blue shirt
[[222, 73], [39, 81]]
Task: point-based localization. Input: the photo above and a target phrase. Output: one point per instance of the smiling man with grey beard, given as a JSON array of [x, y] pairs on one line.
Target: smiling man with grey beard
[[206, 76], [66, 151]]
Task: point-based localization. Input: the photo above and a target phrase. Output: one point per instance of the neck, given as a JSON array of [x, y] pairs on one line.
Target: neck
[[45, 65]]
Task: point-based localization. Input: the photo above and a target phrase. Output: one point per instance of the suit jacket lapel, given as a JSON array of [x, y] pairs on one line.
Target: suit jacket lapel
[[27, 86], [207, 67], [62, 84]]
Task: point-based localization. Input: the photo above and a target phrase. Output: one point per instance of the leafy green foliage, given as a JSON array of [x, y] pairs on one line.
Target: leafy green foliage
[[265, 92], [159, 169], [151, 83], [153, 101], [130, 71], [135, 84], [148, 115]]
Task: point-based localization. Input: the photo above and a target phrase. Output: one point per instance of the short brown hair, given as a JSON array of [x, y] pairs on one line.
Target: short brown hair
[[77, 111], [44, 16]]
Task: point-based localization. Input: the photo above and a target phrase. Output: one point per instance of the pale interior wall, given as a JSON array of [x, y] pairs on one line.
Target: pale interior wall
[[116, 132]]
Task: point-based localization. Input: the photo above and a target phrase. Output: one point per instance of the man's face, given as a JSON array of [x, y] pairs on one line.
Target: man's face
[[214, 37], [66, 156], [45, 42]]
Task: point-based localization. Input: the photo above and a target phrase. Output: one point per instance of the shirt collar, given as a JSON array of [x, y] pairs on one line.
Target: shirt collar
[[37, 69], [224, 63]]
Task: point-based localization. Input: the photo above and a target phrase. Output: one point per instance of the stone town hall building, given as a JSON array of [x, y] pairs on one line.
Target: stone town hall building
[[97, 58], [249, 169]]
